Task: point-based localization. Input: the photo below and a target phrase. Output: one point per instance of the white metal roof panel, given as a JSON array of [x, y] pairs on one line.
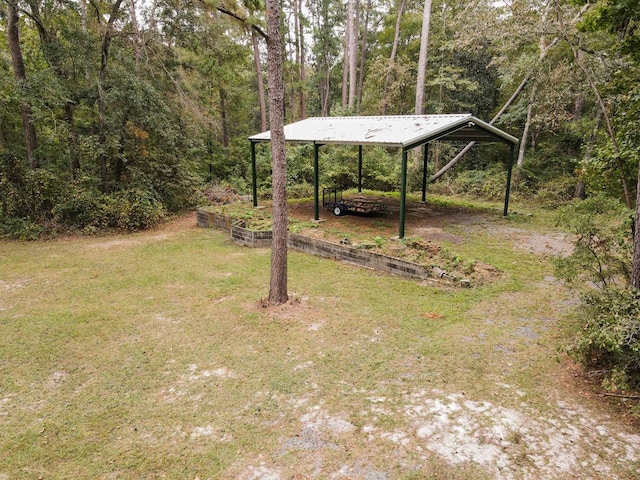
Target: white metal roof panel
[[390, 131]]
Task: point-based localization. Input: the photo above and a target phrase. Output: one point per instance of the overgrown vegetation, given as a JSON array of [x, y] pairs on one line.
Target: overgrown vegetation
[[607, 339]]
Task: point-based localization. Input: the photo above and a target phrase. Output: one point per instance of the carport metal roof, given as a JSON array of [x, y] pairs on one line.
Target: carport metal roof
[[401, 131]]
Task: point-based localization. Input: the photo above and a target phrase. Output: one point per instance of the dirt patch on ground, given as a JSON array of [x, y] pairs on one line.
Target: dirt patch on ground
[[569, 441], [551, 244]]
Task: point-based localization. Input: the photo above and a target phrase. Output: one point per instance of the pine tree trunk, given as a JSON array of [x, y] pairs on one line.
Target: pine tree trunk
[[260, 81], [363, 53], [635, 270], [102, 100], [223, 117], [347, 51], [353, 52], [13, 39], [303, 66], [422, 59], [278, 282], [392, 58]]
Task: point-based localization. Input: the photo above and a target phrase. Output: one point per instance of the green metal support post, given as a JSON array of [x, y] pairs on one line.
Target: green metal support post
[[403, 193], [254, 174], [316, 181], [425, 154], [509, 170], [359, 168]]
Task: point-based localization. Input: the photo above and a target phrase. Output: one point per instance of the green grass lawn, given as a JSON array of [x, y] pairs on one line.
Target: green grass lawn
[[151, 356]]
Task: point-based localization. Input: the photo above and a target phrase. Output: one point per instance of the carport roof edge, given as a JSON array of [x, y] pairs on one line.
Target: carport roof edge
[[404, 131]]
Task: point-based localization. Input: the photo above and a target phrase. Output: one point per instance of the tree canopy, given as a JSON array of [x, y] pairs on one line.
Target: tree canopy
[[117, 112]]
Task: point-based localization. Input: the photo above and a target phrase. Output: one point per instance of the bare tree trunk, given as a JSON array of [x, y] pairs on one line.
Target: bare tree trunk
[[102, 100], [324, 69], [13, 39], [635, 269], [469, 145], [422, 59], [346, 62], [527, 126], [83, 15], [223, 117], [278, 282], [544, 49], [392, 58], [363, 53], [294, 60], [325, 93], [303, 66], [259, 79], [137, 41], [609, 125], [73, 139], [353, 52]]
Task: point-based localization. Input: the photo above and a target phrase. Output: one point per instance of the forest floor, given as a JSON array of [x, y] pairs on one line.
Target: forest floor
[[153, 356]]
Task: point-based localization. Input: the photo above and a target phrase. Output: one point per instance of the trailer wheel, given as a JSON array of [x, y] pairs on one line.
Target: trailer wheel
[[337, 210]]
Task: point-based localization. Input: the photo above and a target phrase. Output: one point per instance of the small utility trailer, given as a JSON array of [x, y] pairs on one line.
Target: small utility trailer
[[332, 199]]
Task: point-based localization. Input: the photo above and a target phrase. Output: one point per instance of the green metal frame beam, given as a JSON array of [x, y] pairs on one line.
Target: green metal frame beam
[[425, 154], [316, 181], [509, 170], [403, 193], [254, 174], [359, 168]]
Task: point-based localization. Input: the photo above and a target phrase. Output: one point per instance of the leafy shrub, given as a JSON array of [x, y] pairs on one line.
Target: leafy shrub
[[603, 244], [124, 210], [558, 191], [610, 336], [80, 209], [489, 184], [19, 229], [26, 193]]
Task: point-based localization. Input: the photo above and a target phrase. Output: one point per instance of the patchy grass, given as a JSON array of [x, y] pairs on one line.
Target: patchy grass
[[151, 356]]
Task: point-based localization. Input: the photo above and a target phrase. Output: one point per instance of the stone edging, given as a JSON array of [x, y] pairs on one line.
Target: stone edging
[[314, 246]]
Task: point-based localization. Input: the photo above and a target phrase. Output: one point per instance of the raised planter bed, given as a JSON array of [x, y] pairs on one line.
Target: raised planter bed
[[364, 258]]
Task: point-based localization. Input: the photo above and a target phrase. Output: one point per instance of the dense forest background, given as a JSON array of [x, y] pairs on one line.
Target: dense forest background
[[114, 113]]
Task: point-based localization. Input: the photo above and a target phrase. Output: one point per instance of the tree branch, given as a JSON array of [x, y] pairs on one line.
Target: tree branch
[[244, 21], [619, 395]]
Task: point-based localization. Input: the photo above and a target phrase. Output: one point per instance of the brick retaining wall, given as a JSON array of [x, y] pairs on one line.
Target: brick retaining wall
[[314, 246], [364, 258]]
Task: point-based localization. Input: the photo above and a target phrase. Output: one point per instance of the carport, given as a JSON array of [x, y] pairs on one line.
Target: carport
[[405, 132]]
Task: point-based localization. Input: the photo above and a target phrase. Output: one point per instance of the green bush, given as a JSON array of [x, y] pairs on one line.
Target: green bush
[[489, 184], [608, 336], [132, 210], [19, 229], [603, 245], [556, 192], [609, 339], [26, 193]]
